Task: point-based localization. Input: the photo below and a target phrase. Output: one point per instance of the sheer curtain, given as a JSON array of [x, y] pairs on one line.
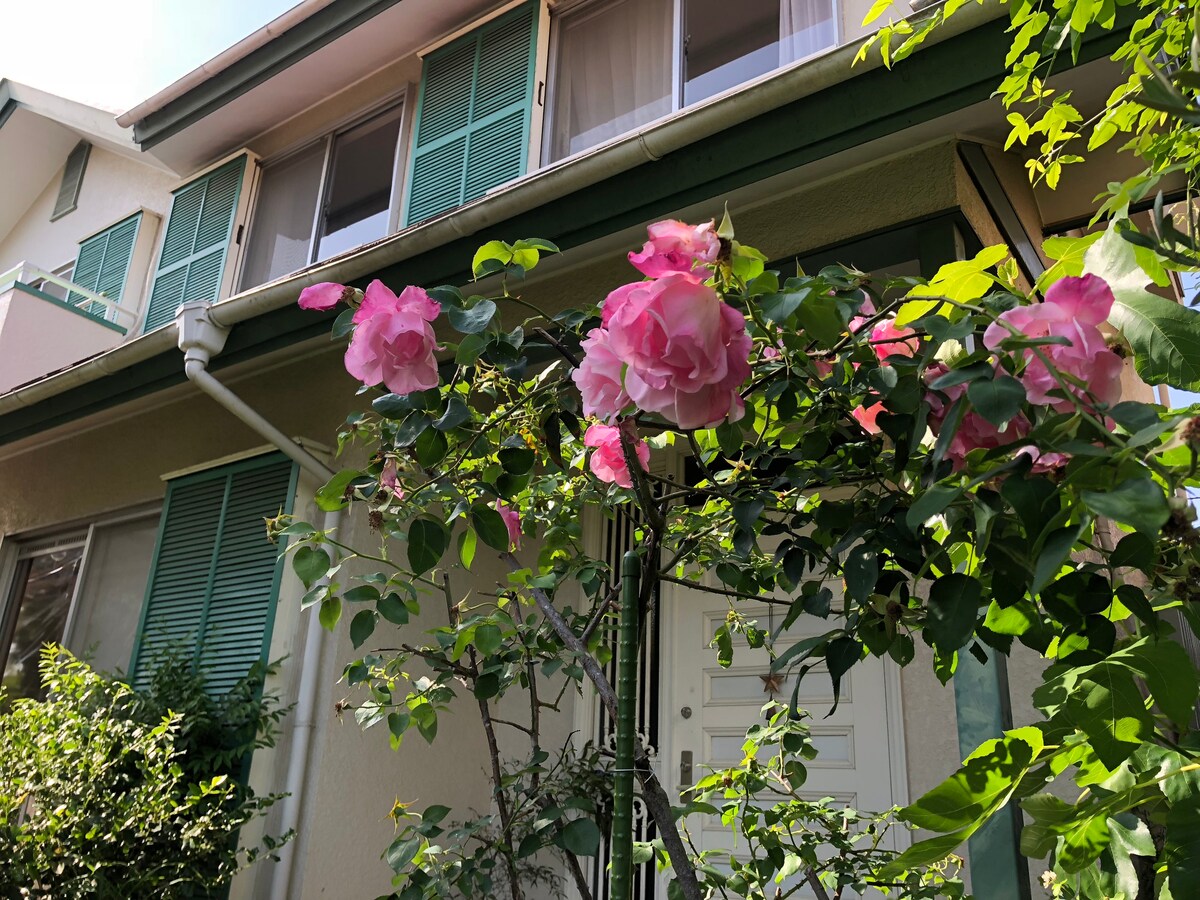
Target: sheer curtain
[[805, 27], [281, 232], [613, 72]]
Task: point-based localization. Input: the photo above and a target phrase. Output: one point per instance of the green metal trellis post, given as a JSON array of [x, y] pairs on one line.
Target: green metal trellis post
[[621, 884]]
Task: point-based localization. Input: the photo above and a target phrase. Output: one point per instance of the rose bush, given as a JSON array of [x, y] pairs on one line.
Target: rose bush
[[992, 488]]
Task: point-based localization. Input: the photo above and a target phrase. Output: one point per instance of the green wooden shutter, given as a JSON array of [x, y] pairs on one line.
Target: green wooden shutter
[[103, 263], [473, 115], [72, 181], [215, 578], [195, 242]]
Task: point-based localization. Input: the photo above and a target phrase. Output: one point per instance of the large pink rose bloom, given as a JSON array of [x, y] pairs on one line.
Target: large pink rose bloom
[[676, 247], [1073, 309], [608, 459], [888, 340], [599, 377], [974, 431], [393, 343], [687, 352]]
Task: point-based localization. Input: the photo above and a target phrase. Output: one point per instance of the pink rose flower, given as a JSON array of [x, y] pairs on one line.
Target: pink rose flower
[[867, 417], [676, 247], [325, 295], [599, 377], [687, 353], [512, 521], [393, 343], [389, 480], [1073, 309], [974, 431], [608, 459], [888, 340]]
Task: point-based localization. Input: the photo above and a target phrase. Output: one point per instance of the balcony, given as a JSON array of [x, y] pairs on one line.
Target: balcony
[[47, 323]]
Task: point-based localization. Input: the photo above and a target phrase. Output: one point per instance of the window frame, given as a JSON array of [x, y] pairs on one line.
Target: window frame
[[571, 7], [15, 551], [401, 101]]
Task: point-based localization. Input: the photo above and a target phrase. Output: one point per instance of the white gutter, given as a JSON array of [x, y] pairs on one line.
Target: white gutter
[[560, 179], [222, 61], [200, 339]]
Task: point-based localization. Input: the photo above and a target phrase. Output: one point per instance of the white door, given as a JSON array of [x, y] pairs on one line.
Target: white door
[[706, 710]]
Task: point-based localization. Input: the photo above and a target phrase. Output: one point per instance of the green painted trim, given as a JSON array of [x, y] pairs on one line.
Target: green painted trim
[[863, 108], [7, 108], [318, 30], [50, 298], [981, 704], [226, 472]]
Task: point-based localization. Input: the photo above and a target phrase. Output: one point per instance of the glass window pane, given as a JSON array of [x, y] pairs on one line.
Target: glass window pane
[[281, 233], [612, 73], [360, 185], [721, 52], [40, 600]]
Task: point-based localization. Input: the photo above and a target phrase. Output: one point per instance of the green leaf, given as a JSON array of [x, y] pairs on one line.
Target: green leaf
[[392, 608], [840, 656], [997, 399], [1137, 502], [777, 308], [493, 250], [820, 316], [310, 564], [861, 571], [964, 801], [362, 626], [581, 837], [456, 413], [490, 526], [516, 460], [330, 612], [1135, 550], [930, 503], [953, 609], [332, 496], [466, 547], [1164, 335], [1182, 849], [473, 320], [1055, 549], [427, 541], [1109, 709], [431, 447], [402, 851], [343, 324], [488, 639]]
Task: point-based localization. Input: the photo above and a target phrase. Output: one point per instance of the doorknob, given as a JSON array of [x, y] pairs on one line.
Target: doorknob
[[685, 767]]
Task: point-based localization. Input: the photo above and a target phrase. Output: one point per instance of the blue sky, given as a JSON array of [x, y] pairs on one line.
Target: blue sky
[[116, 53]]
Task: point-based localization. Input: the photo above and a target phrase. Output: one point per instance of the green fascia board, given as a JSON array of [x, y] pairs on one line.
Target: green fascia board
[[863, 108], [321, 28]]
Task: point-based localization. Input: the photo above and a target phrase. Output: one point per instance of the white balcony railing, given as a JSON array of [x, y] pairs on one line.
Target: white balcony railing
[[95, 306]]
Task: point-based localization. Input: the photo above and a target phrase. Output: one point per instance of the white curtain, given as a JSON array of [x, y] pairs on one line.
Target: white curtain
[[281, 231], [613, 72], [805, 27]]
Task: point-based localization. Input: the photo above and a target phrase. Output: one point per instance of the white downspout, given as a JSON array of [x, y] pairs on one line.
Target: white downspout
[[200, 338]]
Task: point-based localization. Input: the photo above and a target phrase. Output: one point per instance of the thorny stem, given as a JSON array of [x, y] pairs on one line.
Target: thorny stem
[[657, 802], [489, 730], [728, 592]]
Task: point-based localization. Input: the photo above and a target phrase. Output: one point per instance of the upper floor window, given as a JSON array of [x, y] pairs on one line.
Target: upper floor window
[[327, 198], [619, 64]]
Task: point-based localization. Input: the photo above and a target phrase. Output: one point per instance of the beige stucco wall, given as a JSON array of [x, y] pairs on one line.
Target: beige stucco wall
[[114, 188]]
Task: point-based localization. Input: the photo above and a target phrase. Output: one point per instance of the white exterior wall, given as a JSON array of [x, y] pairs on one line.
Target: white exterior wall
[[37, 337], [113, 189]]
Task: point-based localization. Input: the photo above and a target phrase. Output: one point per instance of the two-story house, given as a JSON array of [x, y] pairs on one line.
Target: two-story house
[[373, 138]]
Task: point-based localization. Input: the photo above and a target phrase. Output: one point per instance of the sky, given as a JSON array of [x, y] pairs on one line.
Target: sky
[[116, 53]]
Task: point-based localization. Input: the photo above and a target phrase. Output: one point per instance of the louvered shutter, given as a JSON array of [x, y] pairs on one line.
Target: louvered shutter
[[103, 263], [215, 578], [473, 115], [72, 181], [196, 242]]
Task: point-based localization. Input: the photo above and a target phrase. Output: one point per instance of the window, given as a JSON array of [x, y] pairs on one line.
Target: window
[[215, 576], [72, 181], [103, 265], [474, 114], [191, 264], [38, 605], [350, 176], [613, 69]]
